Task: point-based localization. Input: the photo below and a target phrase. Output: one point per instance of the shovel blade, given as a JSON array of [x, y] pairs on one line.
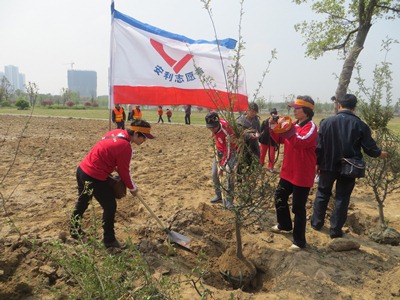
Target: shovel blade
[[178, 239]]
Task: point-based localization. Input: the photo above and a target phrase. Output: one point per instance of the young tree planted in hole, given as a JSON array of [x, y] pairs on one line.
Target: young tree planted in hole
[[253, 191]]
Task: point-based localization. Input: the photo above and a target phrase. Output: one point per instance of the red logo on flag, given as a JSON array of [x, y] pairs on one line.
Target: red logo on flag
[[176, 65]]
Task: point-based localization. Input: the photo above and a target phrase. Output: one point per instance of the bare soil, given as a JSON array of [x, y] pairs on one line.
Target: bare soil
[[173, 174]]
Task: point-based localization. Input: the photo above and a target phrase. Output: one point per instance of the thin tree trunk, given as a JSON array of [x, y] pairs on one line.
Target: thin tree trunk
[[239, 250], [381, 215]]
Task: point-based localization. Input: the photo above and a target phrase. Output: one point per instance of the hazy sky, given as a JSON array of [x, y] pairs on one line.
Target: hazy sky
[[44, 37]]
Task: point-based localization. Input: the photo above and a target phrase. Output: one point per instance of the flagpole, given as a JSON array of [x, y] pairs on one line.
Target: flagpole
[[110, 70]]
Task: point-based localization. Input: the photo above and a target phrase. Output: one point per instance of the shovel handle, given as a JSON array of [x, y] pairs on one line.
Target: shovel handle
[[151, 212]]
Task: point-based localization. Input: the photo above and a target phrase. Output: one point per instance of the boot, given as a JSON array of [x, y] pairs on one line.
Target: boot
[[216, 199], [228, 204], [113, 244]]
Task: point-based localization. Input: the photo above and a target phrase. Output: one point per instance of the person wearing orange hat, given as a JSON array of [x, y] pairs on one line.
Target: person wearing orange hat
[[112, 153], [298, 168]]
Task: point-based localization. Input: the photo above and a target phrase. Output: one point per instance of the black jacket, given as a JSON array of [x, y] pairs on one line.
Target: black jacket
[[265, 137], [343, 135]]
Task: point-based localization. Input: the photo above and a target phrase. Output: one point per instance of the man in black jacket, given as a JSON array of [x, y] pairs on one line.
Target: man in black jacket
[[342, 135]]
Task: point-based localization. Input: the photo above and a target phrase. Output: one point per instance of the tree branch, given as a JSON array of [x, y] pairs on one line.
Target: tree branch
[[394, 9], [336, 16], [343, 45]]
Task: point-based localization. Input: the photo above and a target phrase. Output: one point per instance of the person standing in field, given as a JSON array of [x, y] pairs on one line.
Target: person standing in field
[[118, 116], [298, 168], [188, 112], [112, 153], [169, 115], [250, 124], [136, 113], [267, 144], [342, 135], [160, 113]]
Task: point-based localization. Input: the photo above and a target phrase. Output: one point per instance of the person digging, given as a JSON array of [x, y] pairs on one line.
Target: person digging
[[112, 153]]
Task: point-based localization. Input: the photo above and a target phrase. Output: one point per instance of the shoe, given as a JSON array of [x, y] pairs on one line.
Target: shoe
[[113, 244], [335, 236], [316, 228], [294, 247], [276, 229], [271, 171], [228, 204], [216, 199]]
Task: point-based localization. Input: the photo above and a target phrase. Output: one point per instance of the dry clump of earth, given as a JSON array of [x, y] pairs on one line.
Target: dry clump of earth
[[173, 175]]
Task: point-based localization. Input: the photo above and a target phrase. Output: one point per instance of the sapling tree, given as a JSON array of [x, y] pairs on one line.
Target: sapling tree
[[33, 92], [253, 191], [376, 108], [6, 195], [6, 89]]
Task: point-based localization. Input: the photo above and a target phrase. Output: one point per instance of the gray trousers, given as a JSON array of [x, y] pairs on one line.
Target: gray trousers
[[230, 178]]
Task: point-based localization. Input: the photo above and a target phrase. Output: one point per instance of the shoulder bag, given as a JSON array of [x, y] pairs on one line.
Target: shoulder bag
[[351, 167]]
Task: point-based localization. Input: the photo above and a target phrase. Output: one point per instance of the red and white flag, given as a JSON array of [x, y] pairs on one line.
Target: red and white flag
[[151, 66]]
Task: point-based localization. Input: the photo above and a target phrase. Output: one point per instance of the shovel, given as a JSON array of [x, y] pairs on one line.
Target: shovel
[[173, 236]]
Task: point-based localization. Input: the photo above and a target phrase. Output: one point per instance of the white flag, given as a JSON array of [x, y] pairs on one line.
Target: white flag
[[154, 67]]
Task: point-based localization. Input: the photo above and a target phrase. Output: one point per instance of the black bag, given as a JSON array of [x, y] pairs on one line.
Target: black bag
[[353, 168], [118, 186]]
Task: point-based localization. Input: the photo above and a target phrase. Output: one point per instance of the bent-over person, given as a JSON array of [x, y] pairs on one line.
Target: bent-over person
[[112, 153]]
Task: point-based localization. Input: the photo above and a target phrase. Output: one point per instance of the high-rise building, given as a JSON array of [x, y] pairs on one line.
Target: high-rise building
[[16, 79], [83, 82]]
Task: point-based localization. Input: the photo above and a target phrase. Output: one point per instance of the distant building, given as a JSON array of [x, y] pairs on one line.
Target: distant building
[[83, 82], [16, 79]]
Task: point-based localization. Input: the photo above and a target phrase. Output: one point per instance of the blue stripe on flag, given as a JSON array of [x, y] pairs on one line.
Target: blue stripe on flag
[[227, 43]]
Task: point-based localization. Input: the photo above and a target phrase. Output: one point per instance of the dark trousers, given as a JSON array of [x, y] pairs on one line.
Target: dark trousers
[[120, 125], [187, 119], [300, 195], [160, 119], [169, 119], [344, 188], [103, 194]]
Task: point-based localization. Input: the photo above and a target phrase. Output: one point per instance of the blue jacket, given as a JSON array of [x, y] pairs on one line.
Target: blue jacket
[[343, 135]]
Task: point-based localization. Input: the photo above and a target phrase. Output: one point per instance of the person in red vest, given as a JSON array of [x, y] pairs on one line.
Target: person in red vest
[[118, 116], [169, 115], [160, 112], [113, 152]]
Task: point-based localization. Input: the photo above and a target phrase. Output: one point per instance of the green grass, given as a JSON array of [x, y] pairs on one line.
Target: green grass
[[149, 115], [102, 113]]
